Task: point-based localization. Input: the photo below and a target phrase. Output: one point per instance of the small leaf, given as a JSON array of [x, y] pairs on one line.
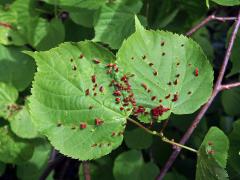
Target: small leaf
[[12, 148], [16, 68], [212, 157], [137, 139], [169, 73], [8, 96], [34, 167], [22, 124], [235, 52], [231, 101], [227, 2], [130, 166], [72, 102], [234, 151], [90, 4], [114, 23]]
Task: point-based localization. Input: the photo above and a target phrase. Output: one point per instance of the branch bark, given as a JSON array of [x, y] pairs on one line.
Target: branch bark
[[217, 88], [86, 170], [207, 20]]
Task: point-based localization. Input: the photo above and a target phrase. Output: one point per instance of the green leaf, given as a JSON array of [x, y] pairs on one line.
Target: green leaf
[[8, 96], [45, 35], [163, 69], [231, 101], [2, 168], [212, 157], [90, 4], [33, 168], [234, 150], [137, 139], [15, 18], [130, 165], [227, 2], [23, 26], [202, 37], [65, 100], [235, 52], [12, 148], [16, 68], [22, 124], [114, 23], [82, 16]]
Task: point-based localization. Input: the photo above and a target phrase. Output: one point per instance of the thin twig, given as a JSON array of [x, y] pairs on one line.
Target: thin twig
[[230, 86], [51, 164], [165, 123], [217, 88], [207, 20], [163, 138], [86, 170]]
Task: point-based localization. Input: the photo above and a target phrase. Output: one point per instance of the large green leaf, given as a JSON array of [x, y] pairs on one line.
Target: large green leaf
[[22, 125], [8, 96], [130, 166], [16, 68], [12, 148], [234, 150], [169, 72], [80, 117], [227, 2], [114, 23], [33, 168], [212, 157], [231, 101]]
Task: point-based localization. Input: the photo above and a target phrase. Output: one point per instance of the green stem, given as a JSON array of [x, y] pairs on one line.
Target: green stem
[[163, 138]]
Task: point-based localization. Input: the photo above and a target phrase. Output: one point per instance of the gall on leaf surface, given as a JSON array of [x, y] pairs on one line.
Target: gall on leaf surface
[[72, 101], [170, 73], [212, 156]]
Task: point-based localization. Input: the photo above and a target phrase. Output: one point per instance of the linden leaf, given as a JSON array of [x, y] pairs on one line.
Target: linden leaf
[[8, 96], [234, 150], [22, 124], [72, 101], [212, 157], [16, 68], [129, 165], [227, 2], [169, 73], [12, 148], [34, 167]]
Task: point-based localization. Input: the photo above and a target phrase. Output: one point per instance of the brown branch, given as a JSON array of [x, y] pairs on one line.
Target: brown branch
[[207, 20], [216, 90], [230, 86], [86, 170]]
